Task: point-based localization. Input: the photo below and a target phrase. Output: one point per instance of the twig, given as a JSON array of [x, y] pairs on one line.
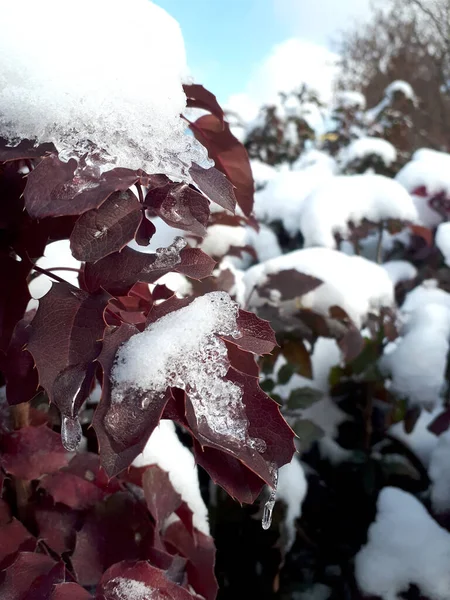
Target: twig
[[20, 414], [380, 245]]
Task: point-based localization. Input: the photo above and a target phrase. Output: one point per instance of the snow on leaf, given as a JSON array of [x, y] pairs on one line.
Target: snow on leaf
[[55, 188], [107, 229], [25, 149], [256, 335], [30, 452], [229, 155], [65, 340], [289, 283]]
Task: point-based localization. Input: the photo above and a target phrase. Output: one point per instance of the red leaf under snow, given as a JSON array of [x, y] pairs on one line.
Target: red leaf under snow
[[71, 490], [14, 537], [289, 283], [18, 366], [116, 529], [55, 188], [214, 184], [118, 272], [14, 302], [106, 229], [199, 97], [229, 156], [20, 576], [31, 452], [162, 500], [120, 579], [122, 429], [65, 339], [201, 554], [179, 206], [26, 149]]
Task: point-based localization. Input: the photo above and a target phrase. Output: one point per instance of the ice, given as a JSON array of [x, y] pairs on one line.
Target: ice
[[405, 546], [70, 433], [351, 199], [99, 77], [182, 349], [121, 588], [268, 506]]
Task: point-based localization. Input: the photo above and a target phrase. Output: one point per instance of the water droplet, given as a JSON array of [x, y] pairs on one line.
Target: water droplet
[[268, 506], [70, 433]]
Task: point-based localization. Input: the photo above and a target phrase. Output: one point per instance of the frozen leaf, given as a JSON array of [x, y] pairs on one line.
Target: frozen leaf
[[31, 452], [107, 229], [55, 188], [180, 206], [199, 97], [71, 490], [13, 303], [257, 335], [214, 185], [65, 339], [26, 149], [229, 156], [118, 272]]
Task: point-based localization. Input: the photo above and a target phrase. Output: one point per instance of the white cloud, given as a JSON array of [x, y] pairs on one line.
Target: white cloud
[[289, 65]]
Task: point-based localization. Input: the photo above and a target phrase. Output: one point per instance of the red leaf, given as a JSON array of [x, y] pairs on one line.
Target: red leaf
[[290, 283], [14, 302], [56, 525], [14, 538], [423, 232], [71, 490], [25, 149], [69, 591], [214, 185], [198, 97], [241, 360], [54, 189], [65, 339], [123, 428], [162, 500], [107, 229], [257, 334], [19, 577], [179, 206], [31, 452], [441, 423], [145, 232], [120, 579], [229, 156], [117, 272], [18, 366]]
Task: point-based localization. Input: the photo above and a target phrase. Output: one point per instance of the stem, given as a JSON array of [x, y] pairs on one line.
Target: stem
[[20, 414], [380, 245], [140, 194], [52, 275], [63, 269]]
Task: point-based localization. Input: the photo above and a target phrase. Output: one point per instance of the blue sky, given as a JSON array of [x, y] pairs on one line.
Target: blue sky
[[227, 40]]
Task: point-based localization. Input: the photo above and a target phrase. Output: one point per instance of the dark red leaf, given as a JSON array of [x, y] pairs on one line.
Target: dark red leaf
[[65, 339], [198, 97], [179, 206], [257, 334], [43, 585], [241, 360], [116, 529], [297, 355], [55, 189], [71, 490], [441, 423], [118, 272], [214, 184], [114, 584], [31, 452], [229, 156], [290, 284], [14, 302], [69, 591], [19, 577], [56, 525], [145, 232], [18, 366], [106, 229], [162, 500], [14, 538], [26, 149]]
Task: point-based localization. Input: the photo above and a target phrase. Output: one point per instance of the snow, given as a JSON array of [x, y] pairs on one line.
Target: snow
[[346, 199], [220, 238], [400, 86], [262, 172], [400, 270], [416, 363], [182, 350], [354, 283], [292, 489], [349, 99], [264, 241], [420, 441], [316, 159], [439, 472], [405, 546], [443, 241], [122, 588], [83, 86], [364, 147], [165, 450], [56, 255], [427, 293]]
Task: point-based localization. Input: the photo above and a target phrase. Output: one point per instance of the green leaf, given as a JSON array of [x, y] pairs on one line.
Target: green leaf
[[285, 373], [308, 432], [267, 385], [303, 397], [298, 356]]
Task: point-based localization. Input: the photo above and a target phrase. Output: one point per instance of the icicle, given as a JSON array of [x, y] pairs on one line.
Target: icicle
[[268, 506], [70, 433]]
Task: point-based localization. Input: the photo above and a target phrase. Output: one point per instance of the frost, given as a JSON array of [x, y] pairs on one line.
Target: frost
[[102, 86], [182, 349], [351, 199], [130, 589], [165, 450], [405, 546]]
